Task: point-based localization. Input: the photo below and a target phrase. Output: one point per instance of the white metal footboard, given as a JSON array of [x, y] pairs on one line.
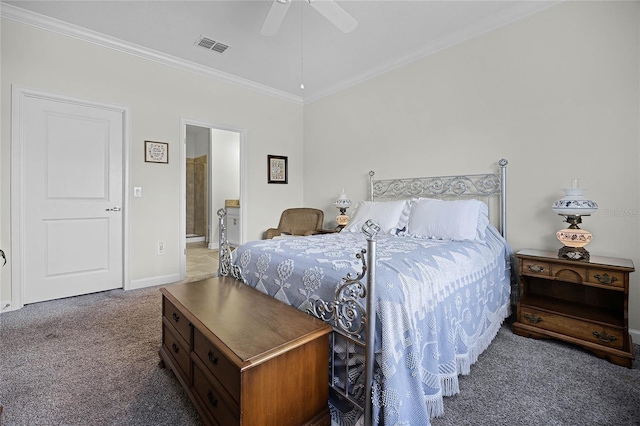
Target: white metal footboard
[[226, 267], [351, 314]]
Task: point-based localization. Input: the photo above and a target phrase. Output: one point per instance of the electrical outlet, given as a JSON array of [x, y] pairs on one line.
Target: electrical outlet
[[160, 248]]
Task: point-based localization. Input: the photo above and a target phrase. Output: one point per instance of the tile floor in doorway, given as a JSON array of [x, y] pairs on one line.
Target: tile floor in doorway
[[202, 262]]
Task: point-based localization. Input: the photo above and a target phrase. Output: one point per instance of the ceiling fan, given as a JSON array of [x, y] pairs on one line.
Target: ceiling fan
[[328, 8]]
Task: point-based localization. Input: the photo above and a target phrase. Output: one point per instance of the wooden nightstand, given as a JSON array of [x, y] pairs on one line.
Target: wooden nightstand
[[581, 302]]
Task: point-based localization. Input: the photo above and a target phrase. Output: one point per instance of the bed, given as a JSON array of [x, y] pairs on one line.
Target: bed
[[435, 250]]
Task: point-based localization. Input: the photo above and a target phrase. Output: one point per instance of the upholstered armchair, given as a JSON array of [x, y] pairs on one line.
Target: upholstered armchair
[[299, 221]]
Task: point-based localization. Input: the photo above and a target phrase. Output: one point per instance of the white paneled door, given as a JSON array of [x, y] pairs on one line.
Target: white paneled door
[[72, 199]]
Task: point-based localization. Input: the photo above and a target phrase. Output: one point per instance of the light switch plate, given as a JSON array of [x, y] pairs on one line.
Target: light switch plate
[[137, 191]]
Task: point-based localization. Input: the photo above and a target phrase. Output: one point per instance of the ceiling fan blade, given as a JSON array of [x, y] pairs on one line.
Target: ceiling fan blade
[[335, 14], [274, 18]]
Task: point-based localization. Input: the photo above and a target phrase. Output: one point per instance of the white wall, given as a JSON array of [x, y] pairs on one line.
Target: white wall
[[197, 141], [226, 173], [557, 94], [158, 97]]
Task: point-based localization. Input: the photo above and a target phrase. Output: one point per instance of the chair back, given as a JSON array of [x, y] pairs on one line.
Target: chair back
[[298, 221]]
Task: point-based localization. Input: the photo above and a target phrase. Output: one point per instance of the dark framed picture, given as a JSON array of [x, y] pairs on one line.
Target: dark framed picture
[[156, 152], [277, 170]]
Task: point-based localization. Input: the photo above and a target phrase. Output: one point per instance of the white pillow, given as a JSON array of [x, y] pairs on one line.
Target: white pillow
[[457, 220], [483, 222], [390, 215]]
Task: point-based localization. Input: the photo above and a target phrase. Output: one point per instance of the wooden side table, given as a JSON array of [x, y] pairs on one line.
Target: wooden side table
[[580, 302]]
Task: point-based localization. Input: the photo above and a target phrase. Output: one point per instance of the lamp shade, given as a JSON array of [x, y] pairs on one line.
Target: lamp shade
[[573, 203], [343, 202]]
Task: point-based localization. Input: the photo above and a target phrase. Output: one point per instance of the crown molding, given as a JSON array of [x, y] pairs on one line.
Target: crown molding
[[483, 26], [37, 20], [509, 16]]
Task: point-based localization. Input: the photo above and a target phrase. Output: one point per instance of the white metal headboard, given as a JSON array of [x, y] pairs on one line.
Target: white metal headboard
[[490, 188]]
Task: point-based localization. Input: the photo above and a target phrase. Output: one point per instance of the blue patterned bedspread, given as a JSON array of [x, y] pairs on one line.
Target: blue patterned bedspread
[[439, 305]]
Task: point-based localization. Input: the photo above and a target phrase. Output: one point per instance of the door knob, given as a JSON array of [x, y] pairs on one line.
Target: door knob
[[114, 209]]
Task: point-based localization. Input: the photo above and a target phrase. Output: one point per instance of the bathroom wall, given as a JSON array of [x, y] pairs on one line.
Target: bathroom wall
[[197, 196], [196, 181]]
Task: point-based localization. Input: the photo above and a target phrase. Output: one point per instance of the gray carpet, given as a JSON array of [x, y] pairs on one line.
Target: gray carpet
[[522, 381], [89, 360], [93, 360]]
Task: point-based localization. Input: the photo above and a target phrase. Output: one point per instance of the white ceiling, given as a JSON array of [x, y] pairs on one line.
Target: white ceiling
[[307, 48]]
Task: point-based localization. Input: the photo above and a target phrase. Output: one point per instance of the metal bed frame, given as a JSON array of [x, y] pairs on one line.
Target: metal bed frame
[[352, 312]]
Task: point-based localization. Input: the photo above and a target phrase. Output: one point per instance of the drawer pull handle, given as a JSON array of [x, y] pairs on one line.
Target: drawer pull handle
[[213, 358], [605, 278], [604, 337], [176, 318], [175, 347], [532, 318], [536, 268], [212, 399]]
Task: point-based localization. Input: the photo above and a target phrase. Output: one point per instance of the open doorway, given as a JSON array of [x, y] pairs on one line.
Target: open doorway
[[197, 183], [211, 180]]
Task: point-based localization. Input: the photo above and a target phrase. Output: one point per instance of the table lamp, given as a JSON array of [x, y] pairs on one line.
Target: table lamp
[[342, 203], [573, 206]]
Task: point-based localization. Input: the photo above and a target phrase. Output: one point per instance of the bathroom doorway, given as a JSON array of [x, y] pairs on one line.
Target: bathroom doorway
[[212, 180], [197, 181]]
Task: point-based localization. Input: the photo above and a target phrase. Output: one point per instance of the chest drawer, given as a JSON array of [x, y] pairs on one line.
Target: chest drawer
[[604, 335], [246, 366], [177, 320], [212, 400], [176, 350], [218, 365]]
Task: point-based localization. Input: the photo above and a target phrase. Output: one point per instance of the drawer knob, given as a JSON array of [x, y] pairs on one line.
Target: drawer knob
[[604, 337], [213, 358], [605, 278], [536, 268], [212, 399], [175, 347], [176, 318], [532, 318]]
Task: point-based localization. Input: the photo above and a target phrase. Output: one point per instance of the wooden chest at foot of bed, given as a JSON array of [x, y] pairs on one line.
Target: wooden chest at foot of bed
[[245, 358]]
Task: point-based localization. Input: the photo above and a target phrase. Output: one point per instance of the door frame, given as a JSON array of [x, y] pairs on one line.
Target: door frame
[[183, 186], [18, 96]]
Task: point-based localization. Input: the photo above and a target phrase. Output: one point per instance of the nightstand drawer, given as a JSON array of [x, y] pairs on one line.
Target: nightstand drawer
[[178, 320], [572, 274], [612, 278], [533, 267], [608, 336]]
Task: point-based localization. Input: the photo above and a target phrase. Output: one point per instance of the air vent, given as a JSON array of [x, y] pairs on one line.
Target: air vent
[[210, 44]]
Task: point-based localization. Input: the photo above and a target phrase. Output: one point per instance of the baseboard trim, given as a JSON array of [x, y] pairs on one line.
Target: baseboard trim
[[635, 336], [5, 306], [195, 239], [153, 281]]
